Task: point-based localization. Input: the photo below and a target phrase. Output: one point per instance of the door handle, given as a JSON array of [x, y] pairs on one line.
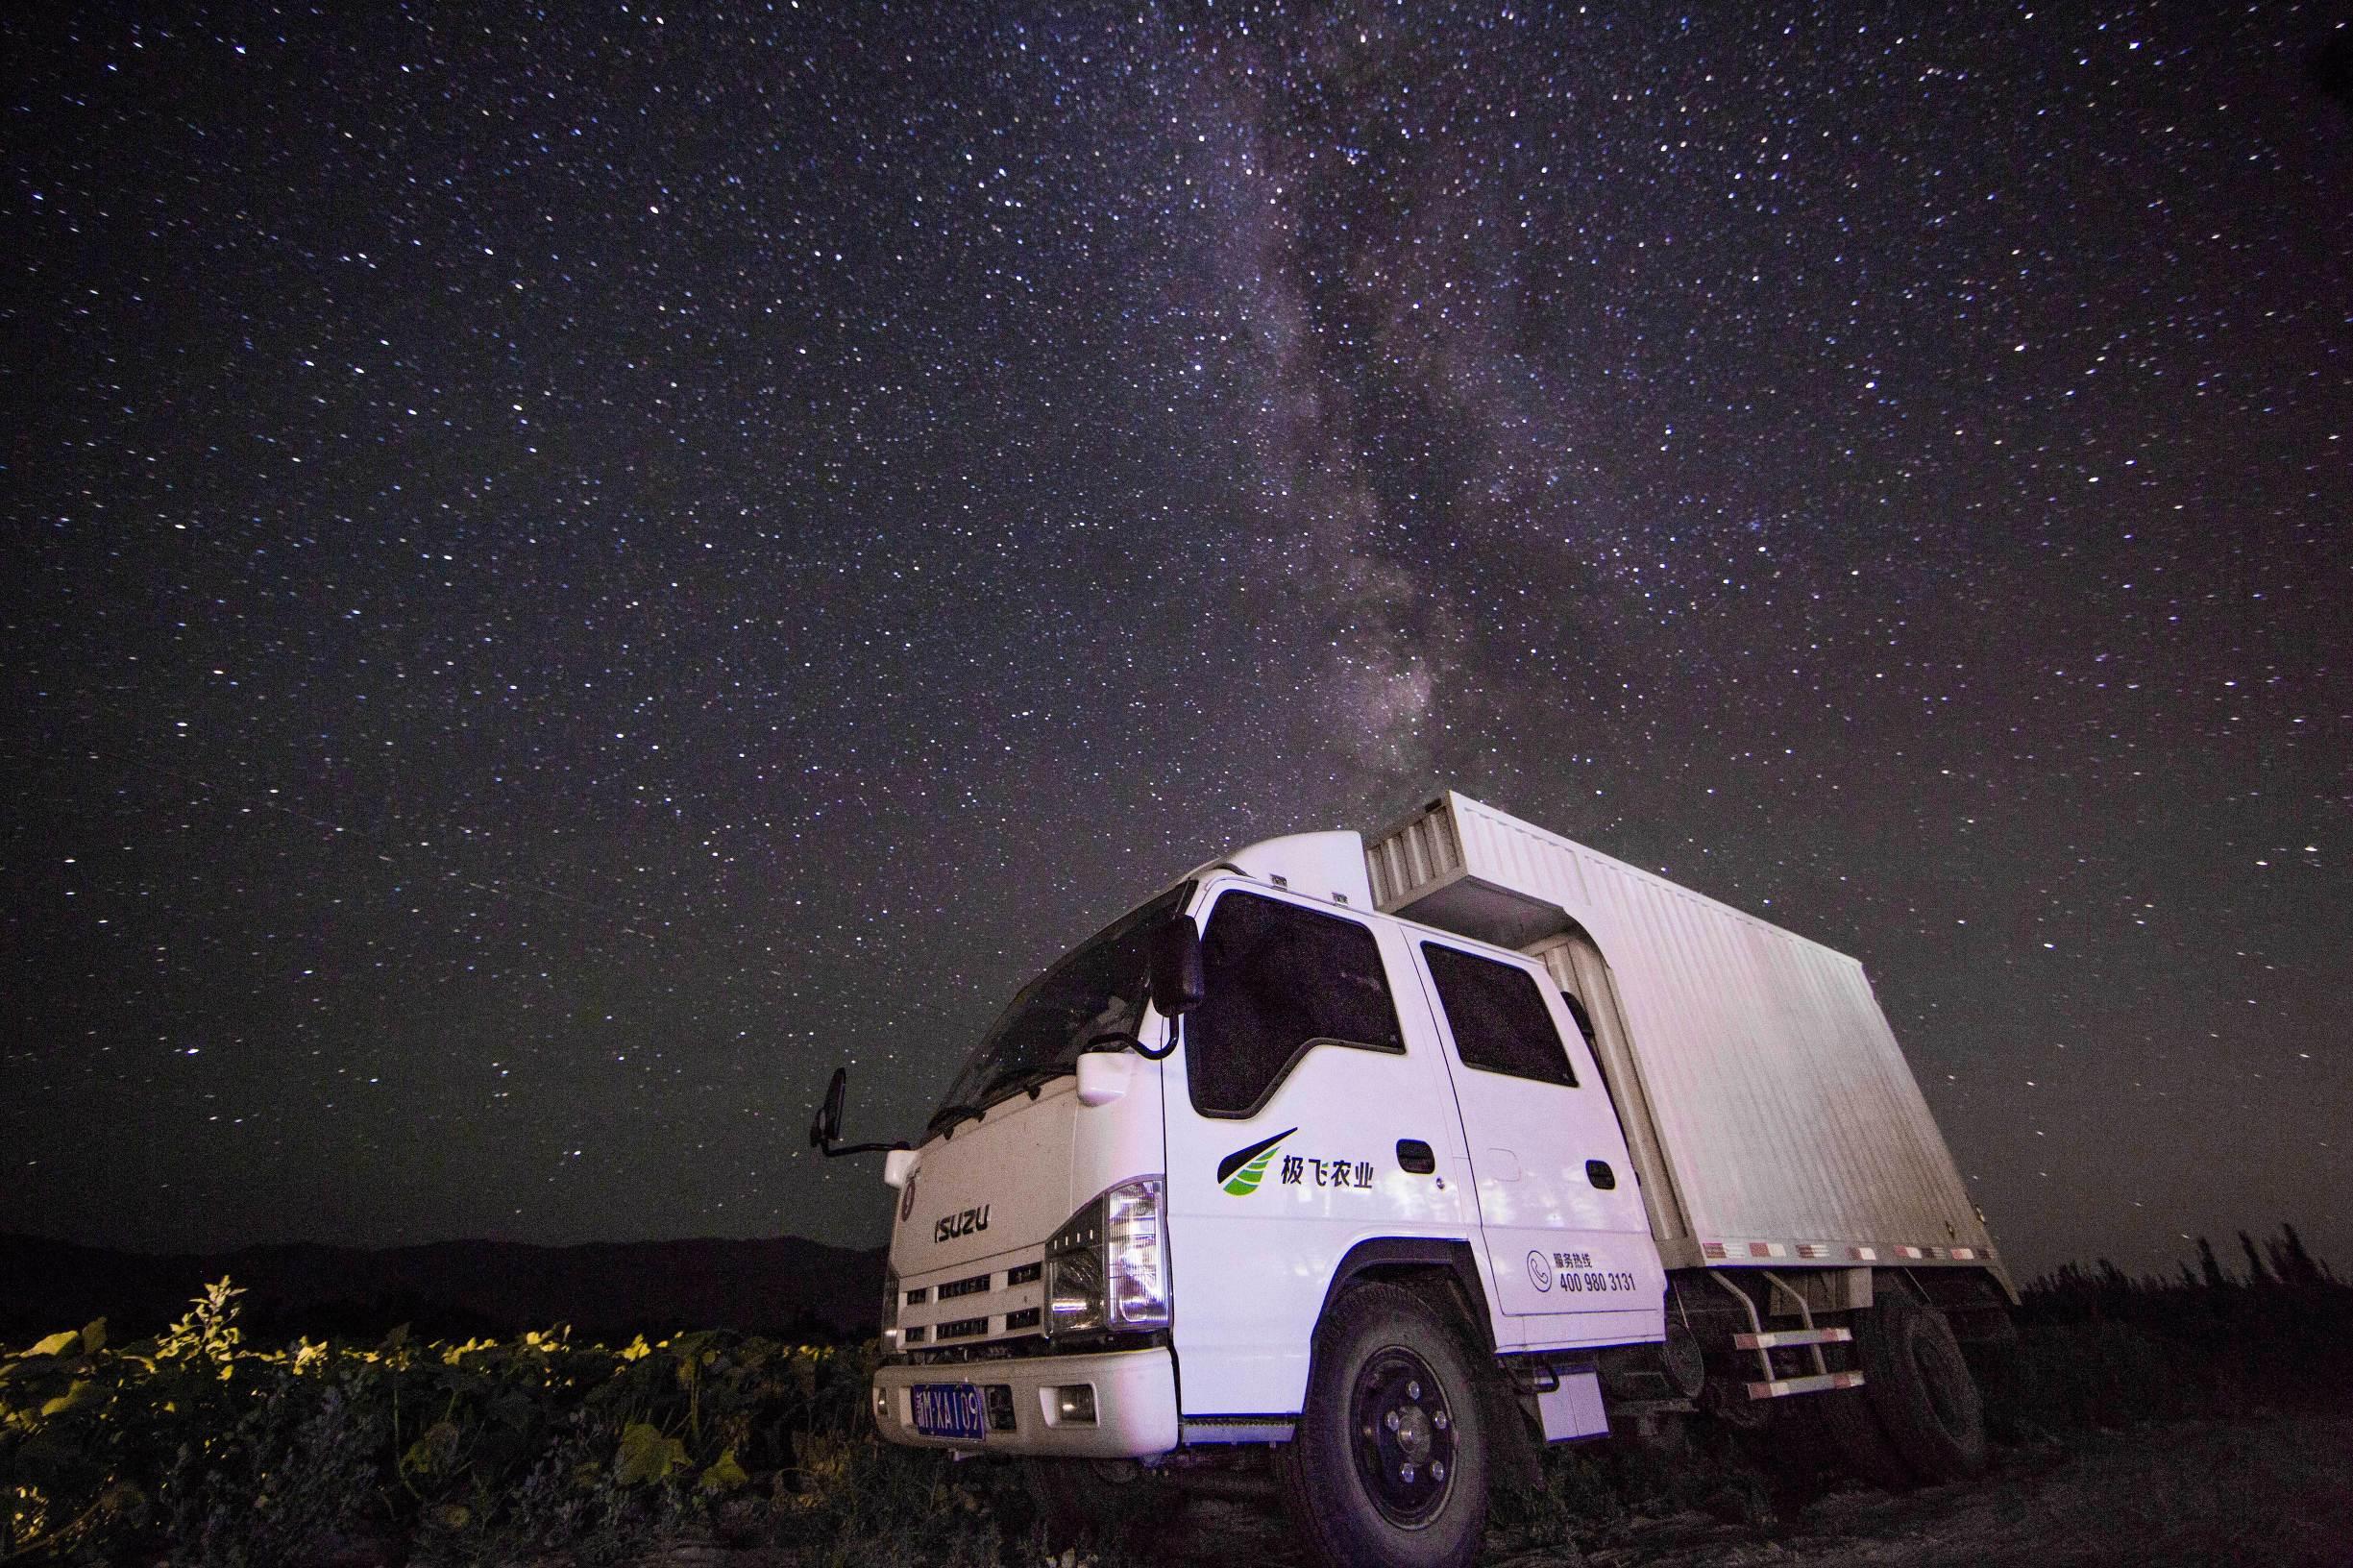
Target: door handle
[[1599, 1173], [1414, 1156]]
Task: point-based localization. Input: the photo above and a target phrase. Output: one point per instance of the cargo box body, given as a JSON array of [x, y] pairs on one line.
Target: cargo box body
[[1768, 1109]]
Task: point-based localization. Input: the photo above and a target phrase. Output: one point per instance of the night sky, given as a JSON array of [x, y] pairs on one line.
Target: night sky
[[571, 570]]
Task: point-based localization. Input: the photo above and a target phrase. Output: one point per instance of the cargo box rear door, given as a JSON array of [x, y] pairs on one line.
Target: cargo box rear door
[[1558, 1205]]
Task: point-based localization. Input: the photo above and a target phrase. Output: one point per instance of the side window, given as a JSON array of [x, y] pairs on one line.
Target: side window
[[1280, 979], [1497, 1014]]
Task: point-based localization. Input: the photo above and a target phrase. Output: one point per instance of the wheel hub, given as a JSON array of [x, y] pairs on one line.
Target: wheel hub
[[1405, 1435], [1414, 1431]]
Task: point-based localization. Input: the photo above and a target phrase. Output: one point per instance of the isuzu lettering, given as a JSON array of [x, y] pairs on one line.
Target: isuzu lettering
[[1360, 1170]]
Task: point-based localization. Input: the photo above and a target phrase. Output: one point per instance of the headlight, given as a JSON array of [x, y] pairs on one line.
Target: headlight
[[1074, 1273], [1104, 1268], [1131, 1248], [890, 1300]]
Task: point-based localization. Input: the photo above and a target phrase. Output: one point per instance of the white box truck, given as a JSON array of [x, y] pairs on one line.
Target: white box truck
[[1371, 1167]]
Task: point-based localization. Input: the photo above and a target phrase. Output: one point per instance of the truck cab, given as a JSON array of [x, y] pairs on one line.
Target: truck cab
[[1261, 1171], [1081, 1222]]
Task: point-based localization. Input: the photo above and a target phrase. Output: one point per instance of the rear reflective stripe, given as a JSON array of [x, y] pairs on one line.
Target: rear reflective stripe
[[1853, 1252]]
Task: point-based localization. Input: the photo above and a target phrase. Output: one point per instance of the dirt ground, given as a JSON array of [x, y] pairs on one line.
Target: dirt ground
[[2263, 1493], [2275, 1492]]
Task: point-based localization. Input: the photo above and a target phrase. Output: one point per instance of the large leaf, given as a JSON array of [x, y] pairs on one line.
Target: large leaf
[[513, 1410], [430, 1454], [56, 1344], [724, 1474], [77, 1395], [646, 1455]]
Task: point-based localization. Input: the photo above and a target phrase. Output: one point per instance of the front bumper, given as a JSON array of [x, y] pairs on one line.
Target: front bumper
[[1135, 1404]]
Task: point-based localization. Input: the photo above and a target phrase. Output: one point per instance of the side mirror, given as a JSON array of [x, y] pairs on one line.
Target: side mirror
[[1177, 983], [827, 1124], [825, 1129]]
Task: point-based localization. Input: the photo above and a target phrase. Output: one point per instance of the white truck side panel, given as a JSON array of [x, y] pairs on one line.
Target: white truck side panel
[[1249, 1268], [1568, 1263], [1780, 1106]]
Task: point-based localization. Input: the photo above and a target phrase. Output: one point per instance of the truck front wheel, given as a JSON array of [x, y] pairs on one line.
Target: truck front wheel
[[1389, 1461], [1918, 1384]]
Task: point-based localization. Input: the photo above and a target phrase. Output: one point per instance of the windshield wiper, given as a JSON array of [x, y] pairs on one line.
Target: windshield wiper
[[1020, 1078], [949, 1115], [1003, 1085], [1012, 1081]]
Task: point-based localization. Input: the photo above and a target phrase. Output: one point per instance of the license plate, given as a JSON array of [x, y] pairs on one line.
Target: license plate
[[947, 1409]]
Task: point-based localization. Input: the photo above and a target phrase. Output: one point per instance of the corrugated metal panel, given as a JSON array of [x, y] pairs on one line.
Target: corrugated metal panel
[[1414, 858], [1778, 1098]]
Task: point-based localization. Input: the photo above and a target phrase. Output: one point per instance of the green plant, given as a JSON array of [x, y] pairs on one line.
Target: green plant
[[205, 1450]]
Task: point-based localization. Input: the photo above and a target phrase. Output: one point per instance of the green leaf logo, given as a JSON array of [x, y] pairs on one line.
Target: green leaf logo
[[1241, 1172]]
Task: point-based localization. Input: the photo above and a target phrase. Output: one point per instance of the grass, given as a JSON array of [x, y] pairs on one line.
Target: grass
[[198, 1448]]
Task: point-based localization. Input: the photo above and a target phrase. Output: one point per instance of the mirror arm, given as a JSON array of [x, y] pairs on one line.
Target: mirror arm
[[835, 1151], [1176, 1038]]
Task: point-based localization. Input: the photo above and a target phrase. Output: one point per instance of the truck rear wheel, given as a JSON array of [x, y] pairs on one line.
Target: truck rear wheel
[[1916, 1382], [1858, 1441], [1389, 1461]]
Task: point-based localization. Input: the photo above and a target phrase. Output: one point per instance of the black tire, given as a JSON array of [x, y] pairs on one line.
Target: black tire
[[1916, 1382], [1851, 1430], [1389, 1465], [1851, 1438]]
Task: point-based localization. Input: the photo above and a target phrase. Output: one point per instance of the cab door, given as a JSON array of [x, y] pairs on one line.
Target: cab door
[[1559, 1211], [1302, 1118]]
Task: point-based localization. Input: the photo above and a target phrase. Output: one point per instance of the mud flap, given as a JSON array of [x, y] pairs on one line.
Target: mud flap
[[1511, 1416], [1573, 1409]]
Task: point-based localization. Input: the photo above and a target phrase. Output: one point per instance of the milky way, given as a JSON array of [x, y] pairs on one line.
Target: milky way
[[573, 571]]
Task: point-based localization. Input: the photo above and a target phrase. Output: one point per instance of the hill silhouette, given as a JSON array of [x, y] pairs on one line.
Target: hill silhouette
[[783, 1285]]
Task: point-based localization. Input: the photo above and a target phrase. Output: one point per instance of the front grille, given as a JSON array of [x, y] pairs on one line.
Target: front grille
[[1030, 1344], [991, 1350], [965, 1315]]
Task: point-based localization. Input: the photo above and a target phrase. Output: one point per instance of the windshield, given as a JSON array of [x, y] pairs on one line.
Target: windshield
[[1097, 990]]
